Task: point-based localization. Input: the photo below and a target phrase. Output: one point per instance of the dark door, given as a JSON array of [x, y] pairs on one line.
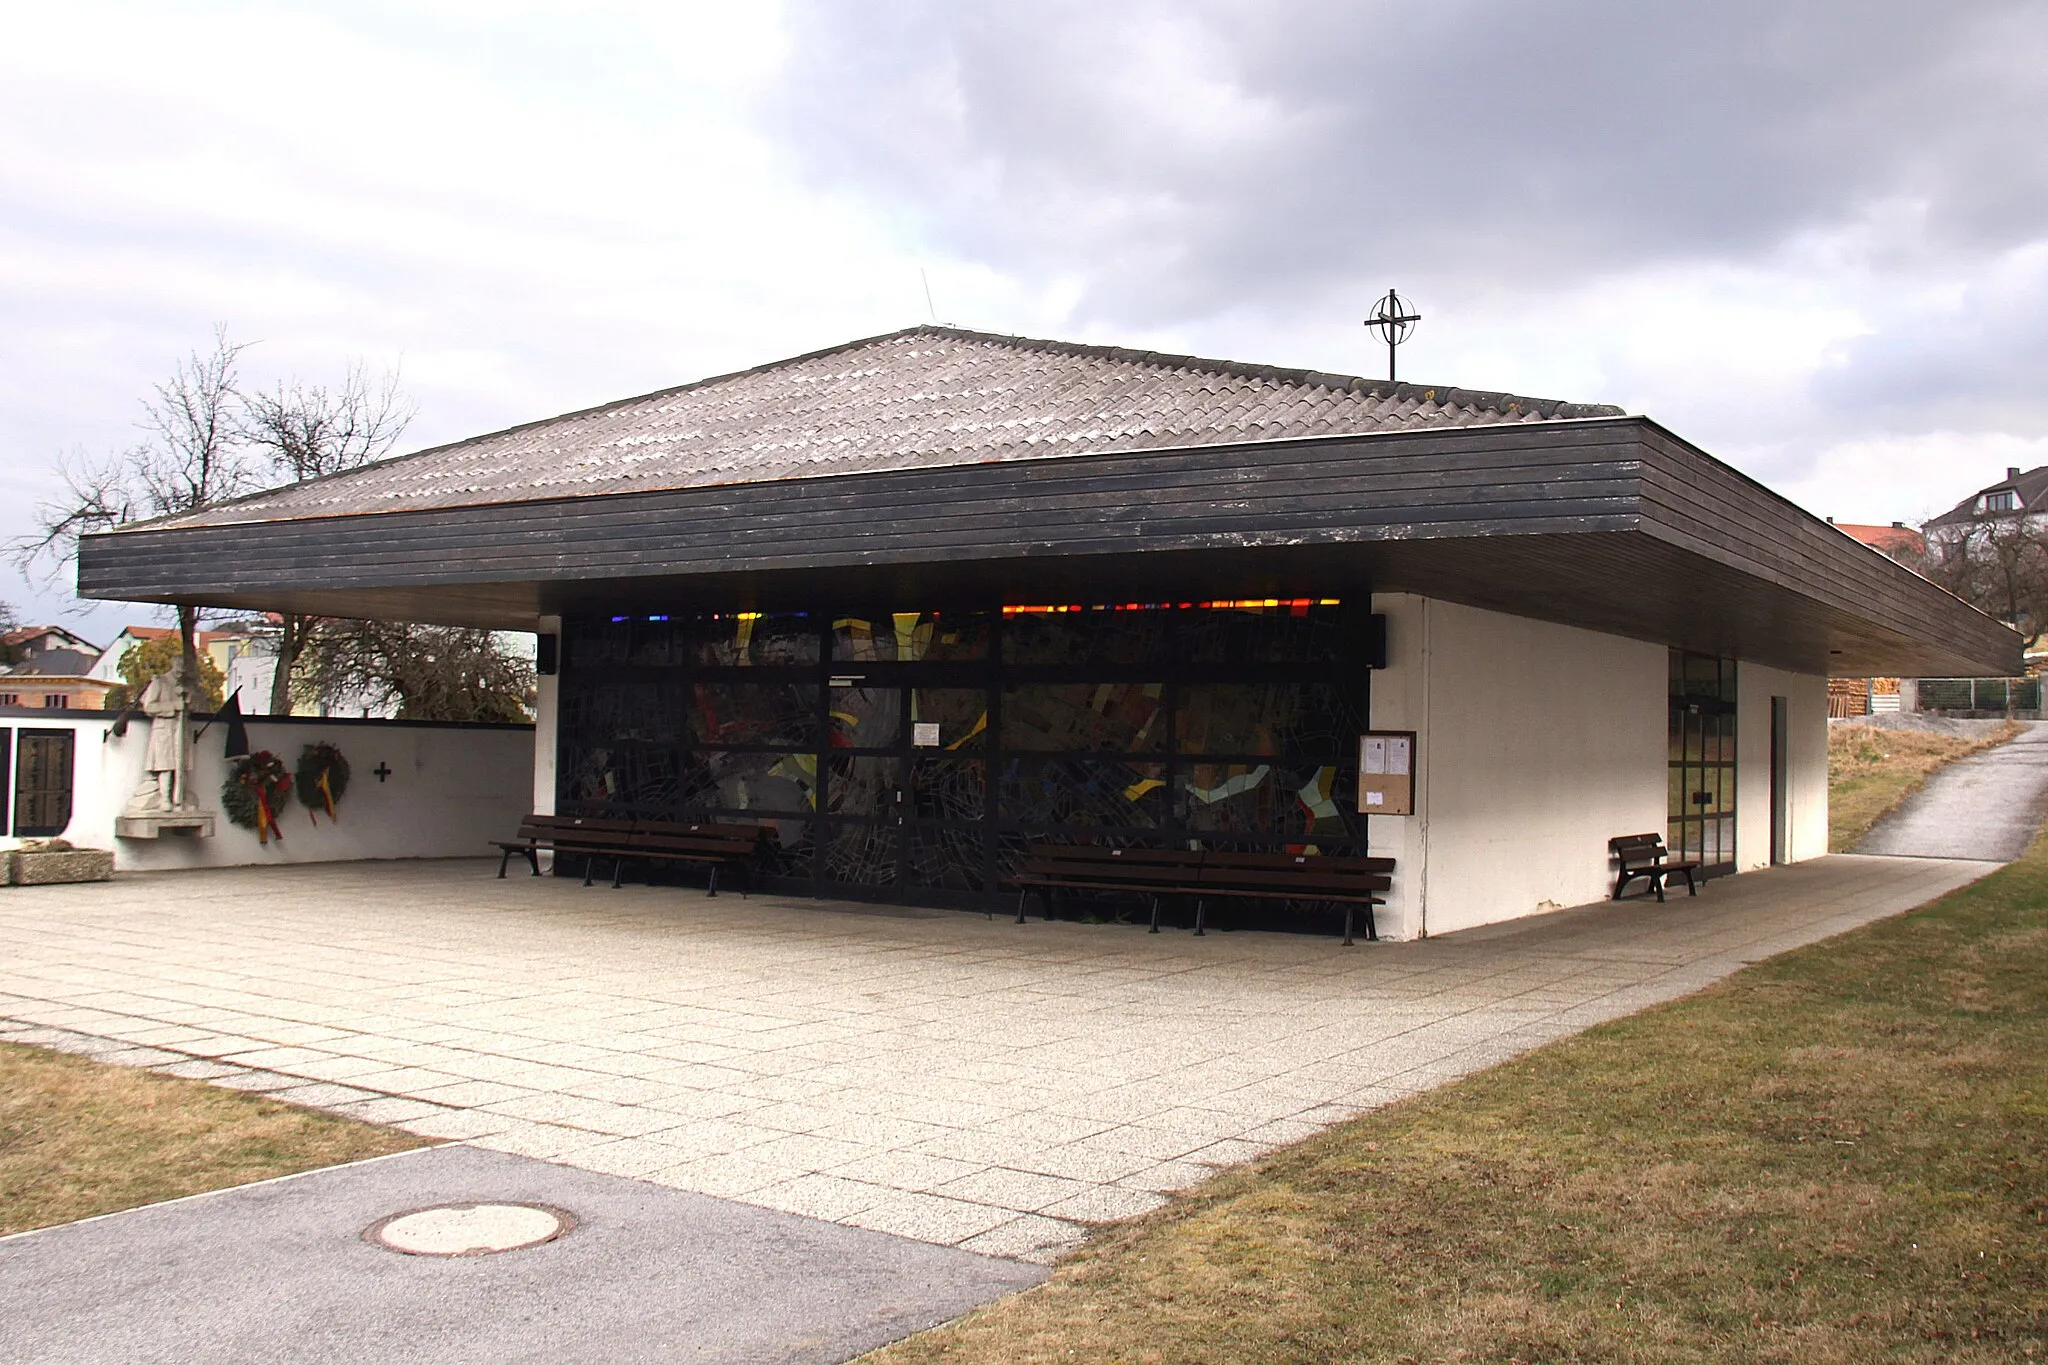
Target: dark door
[[6, 775], [1781, 806], [1702, 761], [42, 783]]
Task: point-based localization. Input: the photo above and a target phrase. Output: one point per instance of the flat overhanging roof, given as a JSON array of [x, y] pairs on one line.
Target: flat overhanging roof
[[1610, 523]]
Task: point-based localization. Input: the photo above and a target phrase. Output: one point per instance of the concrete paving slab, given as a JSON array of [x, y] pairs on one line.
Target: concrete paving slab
[[775, 1051], [1988, 806], [281, 1271]]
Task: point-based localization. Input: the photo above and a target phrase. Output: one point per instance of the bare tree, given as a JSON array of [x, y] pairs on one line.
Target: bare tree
[[192, 457], [310, 432], [1998, 565], [442, 673]]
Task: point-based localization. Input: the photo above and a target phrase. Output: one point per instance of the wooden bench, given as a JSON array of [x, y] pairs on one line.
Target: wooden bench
[[720, 847], [1052, 868], [735, 848], [1644, 855], [591, 837], [1322, 878], [1325, 878]]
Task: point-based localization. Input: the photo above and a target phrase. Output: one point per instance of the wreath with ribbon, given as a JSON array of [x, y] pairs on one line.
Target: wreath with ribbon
[[257, 786], [322, 778]]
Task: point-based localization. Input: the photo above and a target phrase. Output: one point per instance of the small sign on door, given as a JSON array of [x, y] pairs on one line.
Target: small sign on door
[[924, 734]]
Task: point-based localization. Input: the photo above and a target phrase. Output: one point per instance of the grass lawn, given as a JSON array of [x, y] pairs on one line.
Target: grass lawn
[[79, 1137], [1837, 1155], [1870, 770]]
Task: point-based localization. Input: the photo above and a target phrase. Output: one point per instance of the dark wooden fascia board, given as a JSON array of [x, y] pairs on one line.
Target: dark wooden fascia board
[[1573, 495], [1266, 493], [1718, 512]]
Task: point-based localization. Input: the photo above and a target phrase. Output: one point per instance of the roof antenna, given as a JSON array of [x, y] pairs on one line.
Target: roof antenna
[[928, 295], [1394, 319]]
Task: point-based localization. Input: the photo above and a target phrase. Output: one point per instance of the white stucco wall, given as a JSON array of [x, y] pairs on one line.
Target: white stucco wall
[[1537, 743], [450, 791], [1806, 698], [547, 711]]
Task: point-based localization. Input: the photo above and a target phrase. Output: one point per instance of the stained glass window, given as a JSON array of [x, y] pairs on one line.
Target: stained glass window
[[1121, 717], [754, 713], [918, 753]]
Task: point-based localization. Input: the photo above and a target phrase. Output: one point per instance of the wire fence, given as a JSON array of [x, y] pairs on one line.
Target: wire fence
[[1980, 696]]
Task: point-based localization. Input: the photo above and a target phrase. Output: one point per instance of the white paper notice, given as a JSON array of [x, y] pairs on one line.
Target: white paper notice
[[924, 734], [1372, 754], [1397, 756], [1375, 798]]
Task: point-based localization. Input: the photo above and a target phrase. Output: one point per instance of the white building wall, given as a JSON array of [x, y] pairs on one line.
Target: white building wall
[[547, 711], [1537, 743], [451, 790], [1806, 698]]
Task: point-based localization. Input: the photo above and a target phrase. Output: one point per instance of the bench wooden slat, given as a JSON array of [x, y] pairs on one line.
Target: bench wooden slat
[[1644, 856], [719, 845], [1335, 879]]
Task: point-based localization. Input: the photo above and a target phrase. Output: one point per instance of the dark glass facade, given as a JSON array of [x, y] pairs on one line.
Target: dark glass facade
[[912, 755]]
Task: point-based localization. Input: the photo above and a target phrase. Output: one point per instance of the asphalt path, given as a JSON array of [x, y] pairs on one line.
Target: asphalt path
[[280, 1271], [1987, 807]]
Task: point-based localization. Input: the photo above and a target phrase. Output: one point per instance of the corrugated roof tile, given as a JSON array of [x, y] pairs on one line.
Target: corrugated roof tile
[[923, 398]]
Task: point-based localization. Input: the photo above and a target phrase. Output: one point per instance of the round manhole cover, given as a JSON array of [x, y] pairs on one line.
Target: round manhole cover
[[469, 1229]]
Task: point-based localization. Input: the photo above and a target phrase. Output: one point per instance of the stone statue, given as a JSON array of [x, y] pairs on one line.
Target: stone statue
[[167, 769]]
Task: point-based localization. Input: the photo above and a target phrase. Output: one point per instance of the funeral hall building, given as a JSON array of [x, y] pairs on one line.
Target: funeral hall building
[[924, 599]]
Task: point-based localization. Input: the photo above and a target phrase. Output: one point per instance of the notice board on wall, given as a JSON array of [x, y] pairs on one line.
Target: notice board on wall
[[1386, 772]]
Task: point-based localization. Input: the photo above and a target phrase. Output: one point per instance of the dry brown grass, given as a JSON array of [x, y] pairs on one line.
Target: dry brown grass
[[1839, 1155], [1871, 770], [79, 1138]]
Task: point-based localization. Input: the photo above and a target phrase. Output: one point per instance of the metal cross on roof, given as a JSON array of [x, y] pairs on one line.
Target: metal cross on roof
[[1394, 319]]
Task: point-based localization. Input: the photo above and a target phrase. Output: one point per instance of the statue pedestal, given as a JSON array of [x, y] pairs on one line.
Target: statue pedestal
[[191, 824]]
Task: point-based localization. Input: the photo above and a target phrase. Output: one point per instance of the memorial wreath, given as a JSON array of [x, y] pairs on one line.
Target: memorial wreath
[[322, 777], [257, 785]]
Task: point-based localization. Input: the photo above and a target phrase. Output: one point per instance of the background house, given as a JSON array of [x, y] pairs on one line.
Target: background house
[[17, 645], [54, 679]]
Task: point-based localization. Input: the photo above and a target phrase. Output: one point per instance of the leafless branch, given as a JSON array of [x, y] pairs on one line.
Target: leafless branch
[[309, 432]]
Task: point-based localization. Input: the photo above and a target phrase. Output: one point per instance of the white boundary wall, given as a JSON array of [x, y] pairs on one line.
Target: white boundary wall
[[1537, 743], [451, 790]]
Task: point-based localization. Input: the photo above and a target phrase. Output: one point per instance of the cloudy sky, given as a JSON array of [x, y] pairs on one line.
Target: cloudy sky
[[1812, 238]]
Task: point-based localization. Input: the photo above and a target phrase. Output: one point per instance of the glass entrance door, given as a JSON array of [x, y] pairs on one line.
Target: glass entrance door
[[1702, 761]]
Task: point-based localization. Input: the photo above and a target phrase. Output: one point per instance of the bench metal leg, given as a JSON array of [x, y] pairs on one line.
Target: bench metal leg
[[713, 890], [1347, 926], [1023, 898], [618, 871], [589, 866], [1657, 881], [1372, 924], [1155, 916], [1200, 907], [1690, 889], [503, 859]]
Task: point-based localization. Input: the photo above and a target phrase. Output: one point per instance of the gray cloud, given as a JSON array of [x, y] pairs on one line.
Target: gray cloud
[[1972, 362], [1480, 145]]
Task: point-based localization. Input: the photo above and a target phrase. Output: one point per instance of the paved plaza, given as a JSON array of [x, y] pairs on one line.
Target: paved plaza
[[931, 1074]]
